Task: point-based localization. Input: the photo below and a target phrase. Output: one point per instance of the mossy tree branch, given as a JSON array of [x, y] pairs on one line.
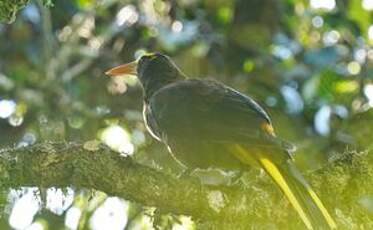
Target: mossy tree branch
[[70, 164]]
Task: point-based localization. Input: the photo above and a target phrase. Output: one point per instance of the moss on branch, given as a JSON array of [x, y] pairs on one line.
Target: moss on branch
[[255, 202]]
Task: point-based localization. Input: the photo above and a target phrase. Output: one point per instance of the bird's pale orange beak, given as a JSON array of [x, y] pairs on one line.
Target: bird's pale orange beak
[[129, 69]]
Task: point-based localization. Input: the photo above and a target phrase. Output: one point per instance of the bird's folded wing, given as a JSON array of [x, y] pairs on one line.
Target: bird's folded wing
[[208, 110]]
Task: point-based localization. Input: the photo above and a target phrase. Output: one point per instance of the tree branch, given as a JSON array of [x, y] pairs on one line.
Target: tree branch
[[70, 164]]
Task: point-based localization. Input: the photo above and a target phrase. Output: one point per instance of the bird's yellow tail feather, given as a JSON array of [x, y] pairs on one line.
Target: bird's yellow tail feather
[[273, 171], [299, 193]]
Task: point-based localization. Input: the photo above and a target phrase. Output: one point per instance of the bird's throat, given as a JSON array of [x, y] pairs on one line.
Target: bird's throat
[[152, 85]]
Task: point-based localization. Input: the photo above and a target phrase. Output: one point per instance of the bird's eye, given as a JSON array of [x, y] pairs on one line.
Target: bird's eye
[[149, 56], [145, 58]]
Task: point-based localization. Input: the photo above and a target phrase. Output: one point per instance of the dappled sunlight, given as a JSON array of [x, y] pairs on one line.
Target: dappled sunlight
[[58, 201], [370, 32], [127, 16], [112, 214], [353, 68], [323, 4], [72, 218], [24, 208], [177, 26], [15, 120], [7, 108], [27, 203], [36, 226], [282, 52], [27, 139], [117, 85], [322, 120], [117, 139], [331, 37], [360, 55], [294, 101], [317, 21], [368, 91], [87, 25], [367, 4]]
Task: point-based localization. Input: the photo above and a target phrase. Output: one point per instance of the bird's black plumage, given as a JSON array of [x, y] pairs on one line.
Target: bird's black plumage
[[206, 124], [197, 118]]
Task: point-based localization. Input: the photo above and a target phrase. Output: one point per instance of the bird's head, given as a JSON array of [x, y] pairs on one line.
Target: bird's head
[[154, 71]]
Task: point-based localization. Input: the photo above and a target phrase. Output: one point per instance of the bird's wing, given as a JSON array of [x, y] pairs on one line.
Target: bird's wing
[[210, 111]]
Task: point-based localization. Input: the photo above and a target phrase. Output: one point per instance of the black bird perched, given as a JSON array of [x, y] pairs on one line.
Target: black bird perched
[[206, 124]]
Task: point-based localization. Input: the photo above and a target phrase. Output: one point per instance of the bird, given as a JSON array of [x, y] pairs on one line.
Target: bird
[[206, 124]]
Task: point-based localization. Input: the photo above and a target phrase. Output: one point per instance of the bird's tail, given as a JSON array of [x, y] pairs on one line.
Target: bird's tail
[[299, 193]]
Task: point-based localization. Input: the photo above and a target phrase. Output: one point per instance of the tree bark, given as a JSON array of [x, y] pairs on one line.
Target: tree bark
[[52, 164], [60, 164]]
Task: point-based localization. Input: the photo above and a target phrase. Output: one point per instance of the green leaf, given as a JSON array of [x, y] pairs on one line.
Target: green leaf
[[359, 15], [9, 8]]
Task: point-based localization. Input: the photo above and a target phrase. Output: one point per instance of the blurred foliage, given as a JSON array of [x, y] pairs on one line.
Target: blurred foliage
[[308, 62], [9, 8]]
